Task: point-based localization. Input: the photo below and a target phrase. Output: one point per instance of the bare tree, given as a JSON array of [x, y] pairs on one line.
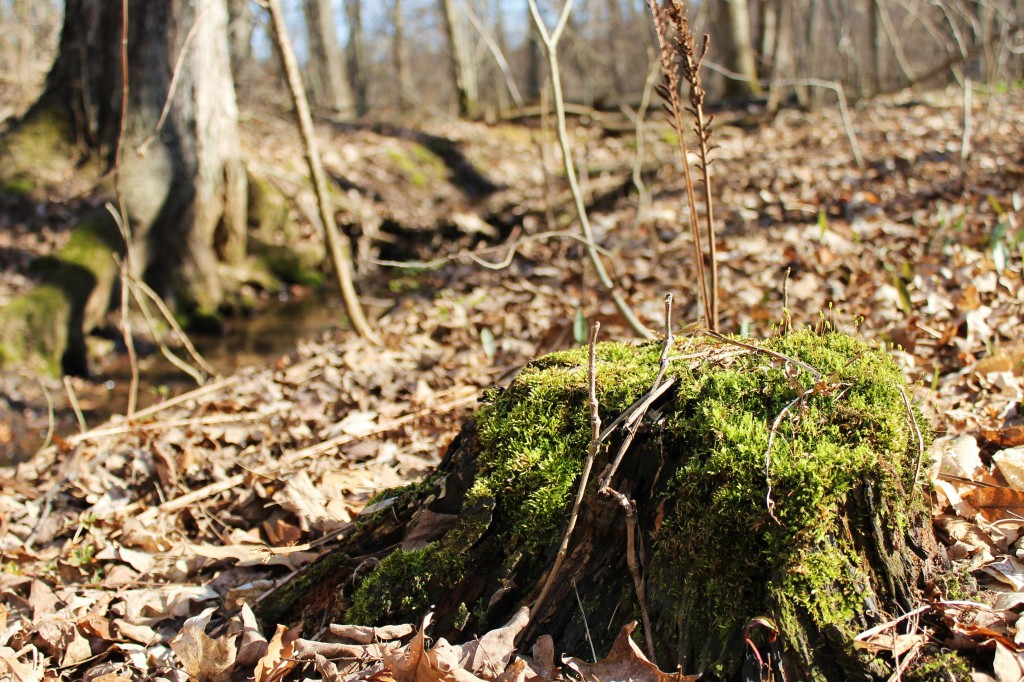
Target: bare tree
[[399, 58], [736, 48], [240, 26], [327, 78], [533, 59], [355, 54], [462, 65]]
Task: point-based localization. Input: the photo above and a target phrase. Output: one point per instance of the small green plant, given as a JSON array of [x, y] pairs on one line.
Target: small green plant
[[944, 666]]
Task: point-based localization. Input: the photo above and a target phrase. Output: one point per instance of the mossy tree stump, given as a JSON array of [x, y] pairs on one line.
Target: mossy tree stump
[[844, 546]]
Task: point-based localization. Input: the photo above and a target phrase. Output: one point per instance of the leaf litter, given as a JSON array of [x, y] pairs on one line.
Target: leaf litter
[[137, 550]]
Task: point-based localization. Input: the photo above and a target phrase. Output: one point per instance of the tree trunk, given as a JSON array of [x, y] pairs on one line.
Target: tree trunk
[[737, 49], [327, 78], [399, 58], [877, 45], [461, 64], [181, 179], [533, 59], [240, 25], [355, 55], [616, 27], [834, 539]]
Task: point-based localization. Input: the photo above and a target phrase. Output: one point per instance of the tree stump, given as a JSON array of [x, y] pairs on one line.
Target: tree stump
[[775, 488]]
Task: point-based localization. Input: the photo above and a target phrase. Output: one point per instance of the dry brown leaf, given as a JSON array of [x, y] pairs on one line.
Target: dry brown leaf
[[625, 661], [15, 670], [43, 601], [253, 645], [489, 656], [205, 658], [415, 663], [994, 498], [1008, 664], [280, 657], [365, 634], [1006, 437]]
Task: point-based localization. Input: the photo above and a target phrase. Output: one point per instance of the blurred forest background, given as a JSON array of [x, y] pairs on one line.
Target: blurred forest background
[[407, 58]]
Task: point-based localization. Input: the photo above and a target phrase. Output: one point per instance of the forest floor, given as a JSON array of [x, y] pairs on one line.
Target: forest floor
[[121, 541]]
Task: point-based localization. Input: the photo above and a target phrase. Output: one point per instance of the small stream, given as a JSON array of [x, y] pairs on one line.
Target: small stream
[[275, 330]]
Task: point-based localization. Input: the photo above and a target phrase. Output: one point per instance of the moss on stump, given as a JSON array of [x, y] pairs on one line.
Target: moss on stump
[[842, 544], [44, 329]]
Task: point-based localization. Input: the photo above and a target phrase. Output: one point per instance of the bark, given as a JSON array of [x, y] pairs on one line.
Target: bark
[[460, 61], [181, 179], [877, 45], [240, 25], [736, 47], [475, 540], [615, 37], [399, 58], [355, 55], [533, 60], [328, 80]]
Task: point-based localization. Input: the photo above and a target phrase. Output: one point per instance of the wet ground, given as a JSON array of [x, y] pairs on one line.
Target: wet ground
[[25, 421]]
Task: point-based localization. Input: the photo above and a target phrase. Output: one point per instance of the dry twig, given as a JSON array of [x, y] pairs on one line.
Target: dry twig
[[588, 464], [338, 247]]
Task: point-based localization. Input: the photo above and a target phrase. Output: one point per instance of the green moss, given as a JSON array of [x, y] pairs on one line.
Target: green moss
[[420, 165], [44, 327], [722, 545], [944, 666], [29, 334], [395, 587], [18, 187]]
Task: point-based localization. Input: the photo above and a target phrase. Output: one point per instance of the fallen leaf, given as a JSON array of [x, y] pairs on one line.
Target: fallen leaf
[[488, 657], [625, 661], [203, 657], [15, 670], [1010, 462], [280, 657], [1008, 664]]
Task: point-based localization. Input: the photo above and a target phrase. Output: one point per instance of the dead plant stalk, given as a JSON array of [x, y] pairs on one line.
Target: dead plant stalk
[[680, 63]]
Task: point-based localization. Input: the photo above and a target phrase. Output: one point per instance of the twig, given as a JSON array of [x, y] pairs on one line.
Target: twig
[[550, 41], [338, 247], [588, 464], [920, 439], [289, 459], [51, 421], [768, 501], [151, 323], [495, 51], [638, 409], [643, 197], [844, 111], [73, 399], [188, 499], [124, 267], [818, 376], [965, 142], [703, 129], [586, 627], [474, 256]]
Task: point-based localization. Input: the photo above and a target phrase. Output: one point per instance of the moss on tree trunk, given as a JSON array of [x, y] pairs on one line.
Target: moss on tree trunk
[[44, 328], [843, 544]]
